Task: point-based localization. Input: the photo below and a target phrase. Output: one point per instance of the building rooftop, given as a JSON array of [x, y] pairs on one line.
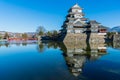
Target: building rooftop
[[76, 6], [94, 22]]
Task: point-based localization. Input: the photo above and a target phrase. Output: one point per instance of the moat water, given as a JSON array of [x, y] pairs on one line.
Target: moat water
[[59, 61]]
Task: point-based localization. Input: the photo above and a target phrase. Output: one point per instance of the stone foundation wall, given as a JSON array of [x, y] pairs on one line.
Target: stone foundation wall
[[116, 38], [94, 37], [83, 45]]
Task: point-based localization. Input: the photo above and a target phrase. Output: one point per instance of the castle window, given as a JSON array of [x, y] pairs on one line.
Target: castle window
[[70, 27], [76, 10]]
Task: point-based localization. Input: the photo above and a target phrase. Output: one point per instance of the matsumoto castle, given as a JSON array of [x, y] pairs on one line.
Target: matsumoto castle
[[76, 27]]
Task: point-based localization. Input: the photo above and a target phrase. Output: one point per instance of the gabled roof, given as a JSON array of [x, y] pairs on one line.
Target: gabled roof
[[103, 27], [94, 22], [78, 23], [76, 6]]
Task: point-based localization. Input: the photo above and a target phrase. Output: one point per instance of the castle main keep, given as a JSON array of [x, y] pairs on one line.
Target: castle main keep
[[78, 28]]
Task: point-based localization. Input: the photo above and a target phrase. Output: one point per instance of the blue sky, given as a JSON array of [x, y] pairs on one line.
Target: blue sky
[[27, 15]]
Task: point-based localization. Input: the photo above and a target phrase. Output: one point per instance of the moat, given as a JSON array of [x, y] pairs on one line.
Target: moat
[[59, 61]]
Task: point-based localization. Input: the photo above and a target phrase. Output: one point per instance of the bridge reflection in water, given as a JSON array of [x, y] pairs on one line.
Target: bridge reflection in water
[[77, 54]]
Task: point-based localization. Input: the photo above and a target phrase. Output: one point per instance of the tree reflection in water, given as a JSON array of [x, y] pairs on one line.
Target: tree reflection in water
[[43, 45], [4, 44], [24, 44], [17, 43]]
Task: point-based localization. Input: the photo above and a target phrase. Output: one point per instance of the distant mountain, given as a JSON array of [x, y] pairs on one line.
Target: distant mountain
[[115, 29]]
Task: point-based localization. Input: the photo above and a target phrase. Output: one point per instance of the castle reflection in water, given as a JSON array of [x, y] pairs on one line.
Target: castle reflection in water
[[75, 54], [78, 53]]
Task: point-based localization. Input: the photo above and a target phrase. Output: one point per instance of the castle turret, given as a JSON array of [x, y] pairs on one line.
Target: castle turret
[[75, 21]]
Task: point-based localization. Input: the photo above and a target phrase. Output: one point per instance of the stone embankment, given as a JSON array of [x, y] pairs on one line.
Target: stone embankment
[[91, 38], [116, 38]]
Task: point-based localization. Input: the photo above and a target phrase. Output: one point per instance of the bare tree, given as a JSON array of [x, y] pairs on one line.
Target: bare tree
[[24, 36], [6, 36], [55, 33], [40, 31], [0, 36], [49, 33]]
